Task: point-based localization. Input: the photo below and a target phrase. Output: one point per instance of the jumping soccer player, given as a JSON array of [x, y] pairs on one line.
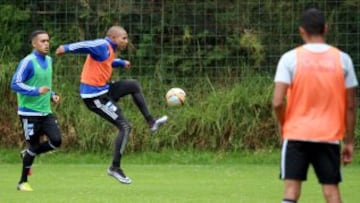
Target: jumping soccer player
[[100, 96]]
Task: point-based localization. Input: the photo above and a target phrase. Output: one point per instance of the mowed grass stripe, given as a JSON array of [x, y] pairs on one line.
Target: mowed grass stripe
[[161, 183]]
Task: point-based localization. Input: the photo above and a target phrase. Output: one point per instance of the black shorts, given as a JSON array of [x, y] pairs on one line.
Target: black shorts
[[105, 105], [296, 156], [36, 126]]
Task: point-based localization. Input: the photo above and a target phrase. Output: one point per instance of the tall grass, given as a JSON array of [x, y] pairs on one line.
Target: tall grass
[[230, 116], [216, 116], [236, 117], [10, 129]]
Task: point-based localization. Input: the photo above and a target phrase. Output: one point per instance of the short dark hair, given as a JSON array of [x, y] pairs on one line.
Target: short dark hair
[[313, 21], [36, 33]]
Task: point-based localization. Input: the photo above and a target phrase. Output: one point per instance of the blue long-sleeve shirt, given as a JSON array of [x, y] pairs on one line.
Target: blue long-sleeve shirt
[[99, 51], [24, 72]]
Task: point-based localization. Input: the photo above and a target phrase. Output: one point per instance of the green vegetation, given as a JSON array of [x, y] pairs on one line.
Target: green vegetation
[[11, 156], [227, 120], [222, 53]]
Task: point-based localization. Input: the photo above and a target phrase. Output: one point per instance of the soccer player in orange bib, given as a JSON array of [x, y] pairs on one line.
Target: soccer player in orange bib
[[318, 82], [100, 95]]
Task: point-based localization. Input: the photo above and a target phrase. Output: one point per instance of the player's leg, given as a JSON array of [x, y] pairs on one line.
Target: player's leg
[[107, 109], [326, 161], [120, 141], [292, 190], [31, 132], [294, 167], [331, 193], [52, 131], [125, 87], [22, 155]]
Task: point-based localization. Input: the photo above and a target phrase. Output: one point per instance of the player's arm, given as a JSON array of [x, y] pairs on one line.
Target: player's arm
[[98, 49], [350, 116], [121, 63], [24, 72], [283, 78], [278, 103], [348, 148]]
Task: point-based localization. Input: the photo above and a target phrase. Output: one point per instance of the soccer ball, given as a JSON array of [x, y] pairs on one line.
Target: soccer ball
[[175, 97]]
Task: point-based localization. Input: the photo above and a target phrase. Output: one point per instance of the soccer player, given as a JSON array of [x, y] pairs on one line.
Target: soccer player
[[100, 96], [318, 82], [33, 83]]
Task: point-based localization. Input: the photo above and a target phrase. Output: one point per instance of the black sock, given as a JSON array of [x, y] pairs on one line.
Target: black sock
[[116, 162], [288, 201], [27, 162], [150, 120]]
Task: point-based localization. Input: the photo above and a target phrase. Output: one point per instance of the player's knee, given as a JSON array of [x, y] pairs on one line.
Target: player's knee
[[56, 142], [331, 193], [292, 191], [129, 129], [124, 126], [135, 85]]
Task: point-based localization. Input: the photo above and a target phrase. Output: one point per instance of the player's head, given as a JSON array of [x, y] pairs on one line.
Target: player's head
[[119, 36], [40, 40], [312, 23]]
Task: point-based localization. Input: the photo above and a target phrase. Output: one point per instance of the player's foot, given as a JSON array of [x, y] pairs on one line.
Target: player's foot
[[22, 155], [158, 122], [119, 174], [25, 187]]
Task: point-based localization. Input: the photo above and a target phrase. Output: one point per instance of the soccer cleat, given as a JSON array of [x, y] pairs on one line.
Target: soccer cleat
[[22, 155], [158, 122], [25, 187], [118, 174]]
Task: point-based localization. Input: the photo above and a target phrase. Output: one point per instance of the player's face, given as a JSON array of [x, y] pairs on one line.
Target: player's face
[[42, 43], [121, 40]]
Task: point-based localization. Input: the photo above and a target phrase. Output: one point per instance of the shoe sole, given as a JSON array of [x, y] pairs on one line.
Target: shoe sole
[[121, 180], [23, 190]]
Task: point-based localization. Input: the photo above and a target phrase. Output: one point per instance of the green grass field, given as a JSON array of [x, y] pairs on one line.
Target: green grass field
[[57, 180]]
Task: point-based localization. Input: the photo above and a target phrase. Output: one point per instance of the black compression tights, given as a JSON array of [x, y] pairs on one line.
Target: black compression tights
[[122, 88]]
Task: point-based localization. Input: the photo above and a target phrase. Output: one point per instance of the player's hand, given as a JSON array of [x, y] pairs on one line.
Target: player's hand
[[55, 98], [60, 50], [43, 90], [347, 153], [127, 64]]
